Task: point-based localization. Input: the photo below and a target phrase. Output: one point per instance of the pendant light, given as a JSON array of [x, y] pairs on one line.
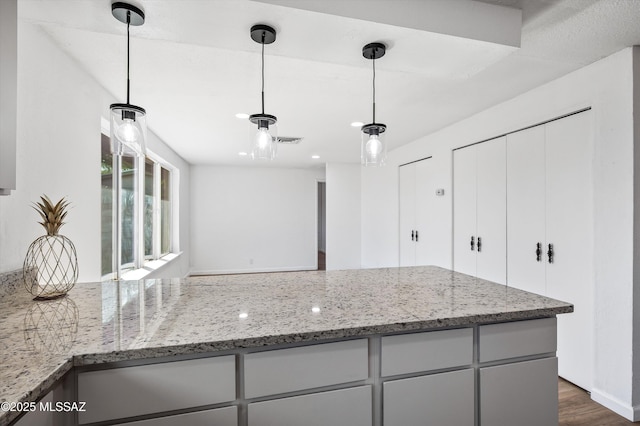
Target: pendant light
[[264, 142], [374, 147], [128, 122]]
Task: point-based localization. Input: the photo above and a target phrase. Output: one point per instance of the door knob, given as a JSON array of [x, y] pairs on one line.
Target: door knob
[[473, 243], [538, 252], [550, 253], [479, 244]]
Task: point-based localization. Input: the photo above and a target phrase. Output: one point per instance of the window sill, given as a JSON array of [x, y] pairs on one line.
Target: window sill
[[149, 267]]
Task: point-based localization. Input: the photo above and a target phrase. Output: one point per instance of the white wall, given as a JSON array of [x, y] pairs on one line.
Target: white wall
[[343, 216], [606, 86], [58, 154], [251, 219]]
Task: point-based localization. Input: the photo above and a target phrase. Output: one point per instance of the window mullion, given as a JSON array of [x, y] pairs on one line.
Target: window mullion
[[156, 210], [138, 222], [117, 217]]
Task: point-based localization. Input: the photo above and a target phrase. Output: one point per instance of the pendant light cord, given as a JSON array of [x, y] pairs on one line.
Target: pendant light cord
[[263, 37], [128, 23], [374, 86]]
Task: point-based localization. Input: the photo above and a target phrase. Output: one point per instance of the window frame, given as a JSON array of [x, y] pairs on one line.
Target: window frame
[[140, 259]]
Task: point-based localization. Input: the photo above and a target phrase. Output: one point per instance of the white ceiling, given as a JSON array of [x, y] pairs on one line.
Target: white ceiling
[[194, 65]]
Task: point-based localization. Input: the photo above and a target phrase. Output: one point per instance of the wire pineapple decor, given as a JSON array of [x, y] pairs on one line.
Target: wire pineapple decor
[[50, 267]]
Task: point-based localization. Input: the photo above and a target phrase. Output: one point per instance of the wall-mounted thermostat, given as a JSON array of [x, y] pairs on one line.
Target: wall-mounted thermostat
[[439, 192]]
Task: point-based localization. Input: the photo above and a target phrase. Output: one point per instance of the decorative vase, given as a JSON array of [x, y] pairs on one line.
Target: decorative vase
[[50, 267]]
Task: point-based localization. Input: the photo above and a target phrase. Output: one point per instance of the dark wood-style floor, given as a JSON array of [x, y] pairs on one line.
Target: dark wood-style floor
[[577, 409], [322, 261]]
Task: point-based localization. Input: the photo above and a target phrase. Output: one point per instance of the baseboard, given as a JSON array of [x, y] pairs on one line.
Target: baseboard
[[627, 411], [196, 272]]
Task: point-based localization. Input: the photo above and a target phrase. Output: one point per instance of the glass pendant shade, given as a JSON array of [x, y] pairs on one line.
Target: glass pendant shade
[[128, 130], [264, 139], [374, 146]]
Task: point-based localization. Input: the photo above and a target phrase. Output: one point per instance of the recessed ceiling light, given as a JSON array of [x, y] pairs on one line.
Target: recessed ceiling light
[[357, 124], [315, 157], [242, 115], [242, 154], [243, 315]]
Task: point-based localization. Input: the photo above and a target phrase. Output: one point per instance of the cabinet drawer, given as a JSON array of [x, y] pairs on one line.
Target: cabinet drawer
[[514, 339], [412, 353], [522, 393], [350, 407], [227, 416], [445, 399], [147, 389], [287, 370]]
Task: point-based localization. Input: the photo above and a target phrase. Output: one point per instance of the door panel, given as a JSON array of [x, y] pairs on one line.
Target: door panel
[[491, 207], [523, 394], [425, 223], [569, 228], [464, 209], [526, 209], [407, 192]]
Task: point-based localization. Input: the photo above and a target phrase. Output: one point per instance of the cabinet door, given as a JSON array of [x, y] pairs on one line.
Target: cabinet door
[[346, 407], [147, 389], [425, 223], [526, 209], [464, 209], [445, 399], [523, 394], [407, 192], [569, 229], [227, 416], [491, 210]]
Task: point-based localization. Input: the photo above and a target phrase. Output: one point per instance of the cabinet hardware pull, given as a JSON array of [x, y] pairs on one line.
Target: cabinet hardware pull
[[412, 235], [473, 244], [538, 252], [416, 236], [550, 253], [479, 244]]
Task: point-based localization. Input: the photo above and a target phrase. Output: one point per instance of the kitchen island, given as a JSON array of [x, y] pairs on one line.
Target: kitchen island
[[359, 347]]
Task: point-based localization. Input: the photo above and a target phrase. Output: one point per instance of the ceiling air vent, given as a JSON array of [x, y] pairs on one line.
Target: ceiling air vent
[[289, 140]]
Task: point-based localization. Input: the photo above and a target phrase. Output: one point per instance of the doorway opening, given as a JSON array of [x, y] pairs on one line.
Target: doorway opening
[[322, 226]]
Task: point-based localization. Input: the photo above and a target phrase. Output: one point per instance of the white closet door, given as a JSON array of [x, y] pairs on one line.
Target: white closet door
[[491, 207], [570, 231], [464, 209], [407, 192], [526, 210], [425, 224]]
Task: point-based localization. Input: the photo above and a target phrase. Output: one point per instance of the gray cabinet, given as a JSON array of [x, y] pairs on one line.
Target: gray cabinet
[[522, 393], [133, 391], [445, 399], [306, 367], [435, 377], [227, 416], [345, 407], [434, 350]]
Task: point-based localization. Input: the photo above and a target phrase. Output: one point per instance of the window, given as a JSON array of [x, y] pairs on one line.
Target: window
[[144, 227]]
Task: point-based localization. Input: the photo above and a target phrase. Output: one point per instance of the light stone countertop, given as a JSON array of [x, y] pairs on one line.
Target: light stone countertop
[[116, 321]]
